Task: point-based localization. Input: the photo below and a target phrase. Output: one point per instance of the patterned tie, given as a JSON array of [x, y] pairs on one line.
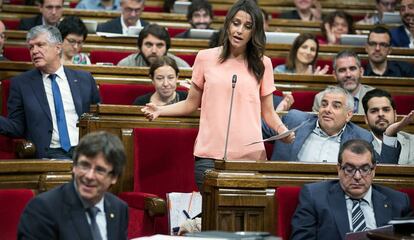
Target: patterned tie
[[60, 115], [356, 103], [358, 219], [96, 234]]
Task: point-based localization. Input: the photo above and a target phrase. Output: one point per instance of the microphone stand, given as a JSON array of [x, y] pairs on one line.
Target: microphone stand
[[233, 85]]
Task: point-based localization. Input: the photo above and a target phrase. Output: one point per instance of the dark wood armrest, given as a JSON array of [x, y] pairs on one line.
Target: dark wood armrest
[[155, 206], [24, 149]]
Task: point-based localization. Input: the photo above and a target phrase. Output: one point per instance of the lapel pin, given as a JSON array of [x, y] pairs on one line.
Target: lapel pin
[[76, 80], [385, 205], [111, 215]]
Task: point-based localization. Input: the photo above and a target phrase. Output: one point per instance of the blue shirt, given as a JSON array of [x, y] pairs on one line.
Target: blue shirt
[[97, 5]]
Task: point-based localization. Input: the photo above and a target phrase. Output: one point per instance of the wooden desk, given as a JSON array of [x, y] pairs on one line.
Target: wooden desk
[[387, 236], [240, 196], [38, 175]]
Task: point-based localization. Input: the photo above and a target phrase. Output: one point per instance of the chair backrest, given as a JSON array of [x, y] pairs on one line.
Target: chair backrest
[[173, 31], [163, 163], [17, 53], [410, 193], [287, 199], [106, 56], [404, 103], [189, 58], [303, 100], [12, 203], [11, 24]]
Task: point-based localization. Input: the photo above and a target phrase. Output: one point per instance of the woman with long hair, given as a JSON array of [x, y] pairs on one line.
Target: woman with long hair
[[239, 65], [302, 57]]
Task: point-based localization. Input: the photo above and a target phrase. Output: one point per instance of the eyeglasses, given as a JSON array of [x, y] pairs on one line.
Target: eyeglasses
[[381, 44], [85, 167], [73, 42], [350, 171]]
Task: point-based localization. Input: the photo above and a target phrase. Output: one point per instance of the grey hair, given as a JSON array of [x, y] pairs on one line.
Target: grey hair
[[346, 53], [339, 90], [53, 33]]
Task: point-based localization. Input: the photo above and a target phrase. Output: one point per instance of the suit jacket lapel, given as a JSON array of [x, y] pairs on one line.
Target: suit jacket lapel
[[337, 205], [301, 135], [77, 212], [74, 88], [36, 82], [111, 220], [382, 208]]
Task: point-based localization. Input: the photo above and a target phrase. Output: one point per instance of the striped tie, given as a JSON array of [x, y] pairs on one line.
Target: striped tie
[[358, 219]]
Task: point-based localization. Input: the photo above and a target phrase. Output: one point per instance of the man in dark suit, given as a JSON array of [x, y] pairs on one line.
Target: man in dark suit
[[402, 36], [50, 14], [131, 11], [45, 103], [199, 15], [82, 209], [2, 39], [321, 136], [330, 209]]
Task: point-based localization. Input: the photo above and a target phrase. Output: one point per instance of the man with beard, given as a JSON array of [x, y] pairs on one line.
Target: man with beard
[[378, 48], [402, 36], [321, 136], [50, 14], [199, 15], [131, 11], [380, 115], [348, 72], [153, 41]]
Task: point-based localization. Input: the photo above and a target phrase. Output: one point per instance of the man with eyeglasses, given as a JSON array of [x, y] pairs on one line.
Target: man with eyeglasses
[[50, 14], [131, 11], [82, 208], [199, 15], [331, 209], [381, 117], [402, 36], [45, 103], [378, 48], [381, 7], [321, 136], [2, 39]]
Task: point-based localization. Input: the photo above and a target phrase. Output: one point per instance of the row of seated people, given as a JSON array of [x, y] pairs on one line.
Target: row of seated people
[[333, 26]]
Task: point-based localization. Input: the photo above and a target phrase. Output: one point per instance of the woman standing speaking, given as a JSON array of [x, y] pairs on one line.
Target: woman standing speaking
[[239, 56]]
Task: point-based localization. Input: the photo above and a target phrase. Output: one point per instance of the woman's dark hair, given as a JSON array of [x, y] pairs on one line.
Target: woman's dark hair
[[198, 5], [163, 61], [72, 25], [303, 37], [256, 45], [330, 18]]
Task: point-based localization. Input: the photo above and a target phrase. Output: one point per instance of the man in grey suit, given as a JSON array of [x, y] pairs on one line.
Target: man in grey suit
[[380, 115], [321, 136], [82, 209], [131, 11], [348, 72], [330, 209]]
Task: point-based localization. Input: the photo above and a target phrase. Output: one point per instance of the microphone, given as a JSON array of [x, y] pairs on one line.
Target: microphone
[[233, 85]]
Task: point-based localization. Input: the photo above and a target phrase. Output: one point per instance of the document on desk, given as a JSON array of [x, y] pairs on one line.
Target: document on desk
[[181, 207], [280, 136], [362, 235]]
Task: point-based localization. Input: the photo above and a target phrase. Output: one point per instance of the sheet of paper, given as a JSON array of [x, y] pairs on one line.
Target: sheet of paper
[[279, 136], [180, 202]]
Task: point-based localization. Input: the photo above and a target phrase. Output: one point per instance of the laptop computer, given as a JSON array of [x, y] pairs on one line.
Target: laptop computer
[[202, 33], [91, 25], [391, 17], [281, 37], [353, 39], [181, 7]]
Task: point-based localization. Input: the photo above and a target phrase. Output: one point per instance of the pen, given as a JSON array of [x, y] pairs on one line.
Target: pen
[[186, 214]]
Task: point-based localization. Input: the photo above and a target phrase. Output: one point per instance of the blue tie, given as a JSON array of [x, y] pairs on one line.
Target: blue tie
[[60, 115], [96, 234], [356, 103]]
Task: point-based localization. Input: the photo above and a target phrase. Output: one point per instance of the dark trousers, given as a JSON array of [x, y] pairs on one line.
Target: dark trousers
[[59, 153], [200, 167]]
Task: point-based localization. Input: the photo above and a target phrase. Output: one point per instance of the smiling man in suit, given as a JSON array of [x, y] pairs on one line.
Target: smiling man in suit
[[330, 209], [82, 209], [45, 103]]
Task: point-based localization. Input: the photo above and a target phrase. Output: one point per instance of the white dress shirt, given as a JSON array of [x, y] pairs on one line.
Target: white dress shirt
[[125, 27], [68, 105], [366, 207], [100, 219]]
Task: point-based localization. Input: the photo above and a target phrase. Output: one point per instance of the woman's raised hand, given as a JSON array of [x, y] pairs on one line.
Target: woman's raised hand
[[151, 111], [321, 71]]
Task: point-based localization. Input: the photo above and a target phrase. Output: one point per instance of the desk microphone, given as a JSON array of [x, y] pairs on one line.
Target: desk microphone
[[233, 85]]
